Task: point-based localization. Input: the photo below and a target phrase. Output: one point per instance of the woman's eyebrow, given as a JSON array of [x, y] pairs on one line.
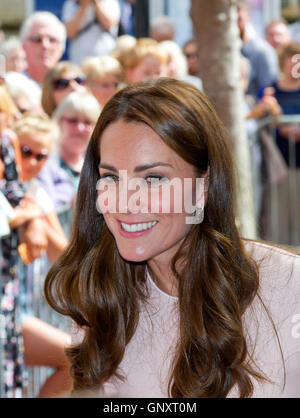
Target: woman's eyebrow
[[148, 166], [137, 169], [107, 167]]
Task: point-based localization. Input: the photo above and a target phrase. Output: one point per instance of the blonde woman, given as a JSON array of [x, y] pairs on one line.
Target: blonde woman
[[64, 78], [76, 117], [103, 75]]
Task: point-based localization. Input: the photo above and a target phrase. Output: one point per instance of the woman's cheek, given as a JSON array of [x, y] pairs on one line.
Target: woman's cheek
[[106, 200], [166, 198]]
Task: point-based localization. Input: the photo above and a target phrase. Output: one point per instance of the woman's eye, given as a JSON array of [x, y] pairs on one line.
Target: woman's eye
[[156, 179], [109, 178]]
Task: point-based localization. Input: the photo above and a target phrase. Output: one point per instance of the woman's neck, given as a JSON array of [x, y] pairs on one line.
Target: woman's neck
[[163, 277], [73, 160], [289, 83]]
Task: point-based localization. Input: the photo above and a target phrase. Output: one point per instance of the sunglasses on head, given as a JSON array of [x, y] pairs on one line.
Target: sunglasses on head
[[64, 83], [28, 153]]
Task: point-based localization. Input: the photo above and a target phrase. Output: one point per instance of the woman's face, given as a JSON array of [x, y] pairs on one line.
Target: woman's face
[[143, 220], [16, 60], [5, 121], [104, 88], [289, 68], [65, 84], [76, 130], [35, 149]]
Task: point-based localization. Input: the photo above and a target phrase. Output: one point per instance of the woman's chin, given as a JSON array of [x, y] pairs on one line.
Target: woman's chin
[[133, 256]]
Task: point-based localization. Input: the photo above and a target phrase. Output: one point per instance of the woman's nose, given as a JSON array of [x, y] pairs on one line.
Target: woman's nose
[[76, 87], [133, 196]]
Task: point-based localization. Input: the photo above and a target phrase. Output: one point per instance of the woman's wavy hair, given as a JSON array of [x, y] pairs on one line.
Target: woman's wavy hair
[[102, 292]]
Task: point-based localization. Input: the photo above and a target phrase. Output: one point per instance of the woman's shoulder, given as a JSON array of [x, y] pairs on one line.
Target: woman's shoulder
[[279, 273], [279, 289], [271, 251]]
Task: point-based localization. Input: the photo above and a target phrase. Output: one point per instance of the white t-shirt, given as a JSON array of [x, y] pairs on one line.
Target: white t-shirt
[[94, 41], [6, 214], [35, 190]]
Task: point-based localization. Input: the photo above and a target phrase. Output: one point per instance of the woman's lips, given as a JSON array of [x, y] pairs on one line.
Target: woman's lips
[[136, 230]]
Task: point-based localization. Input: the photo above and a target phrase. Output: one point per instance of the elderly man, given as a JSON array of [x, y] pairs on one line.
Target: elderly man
[[278, 34], [44, 38]]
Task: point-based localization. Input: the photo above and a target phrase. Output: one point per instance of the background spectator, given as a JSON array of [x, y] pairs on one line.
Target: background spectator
[[287, 94], [25, 92], [123, 43], [190, 50], [92, 27], [37, 135], [64, 78], [15, 57], [262, 57], [10, 186], [162, 29], [145, 61], [76, 116], [278, 34], [44, 39], [177, 64], [103, 75]]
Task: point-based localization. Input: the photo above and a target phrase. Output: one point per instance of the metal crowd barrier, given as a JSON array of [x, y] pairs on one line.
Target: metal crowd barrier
[[31, 302], [275, 176], [32, 276]]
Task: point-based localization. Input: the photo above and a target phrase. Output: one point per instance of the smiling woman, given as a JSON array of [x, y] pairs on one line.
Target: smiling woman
[[166, 308]]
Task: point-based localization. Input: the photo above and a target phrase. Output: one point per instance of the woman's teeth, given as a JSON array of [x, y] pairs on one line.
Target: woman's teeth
[[138, 227]]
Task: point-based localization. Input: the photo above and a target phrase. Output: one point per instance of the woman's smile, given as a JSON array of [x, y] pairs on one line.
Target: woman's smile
[[136, 230]]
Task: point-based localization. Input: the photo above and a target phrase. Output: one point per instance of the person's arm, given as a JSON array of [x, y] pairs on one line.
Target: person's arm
[[74, 25], [106, 20], [290, 132], [43, 234], [27, 211], [44, 345], [34, 240], [57, 240]]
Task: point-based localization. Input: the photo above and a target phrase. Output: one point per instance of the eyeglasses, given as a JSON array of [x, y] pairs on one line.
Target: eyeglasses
[[76, 121], [64, 83], [28, 153], [38, 39]]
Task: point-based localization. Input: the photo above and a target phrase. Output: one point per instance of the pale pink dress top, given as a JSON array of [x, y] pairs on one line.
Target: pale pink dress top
[[147, 360]]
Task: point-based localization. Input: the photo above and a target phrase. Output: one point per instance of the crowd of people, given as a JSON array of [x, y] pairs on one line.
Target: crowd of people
[[49, 107]]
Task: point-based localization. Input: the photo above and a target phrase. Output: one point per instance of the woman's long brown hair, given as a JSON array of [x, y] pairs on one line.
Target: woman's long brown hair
[[101, 292]]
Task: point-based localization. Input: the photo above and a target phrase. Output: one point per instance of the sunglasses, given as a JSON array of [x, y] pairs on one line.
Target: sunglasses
[[28, 153], [64, 83]]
